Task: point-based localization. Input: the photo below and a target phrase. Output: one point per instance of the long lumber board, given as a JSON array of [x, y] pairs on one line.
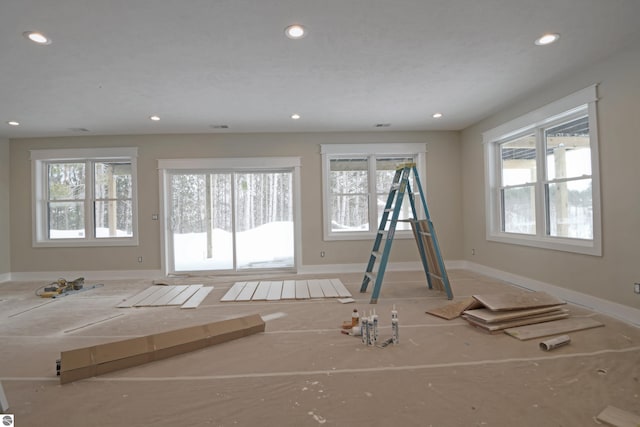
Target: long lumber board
[[517, 300], [618, 417], [558, 327], [100, 359]]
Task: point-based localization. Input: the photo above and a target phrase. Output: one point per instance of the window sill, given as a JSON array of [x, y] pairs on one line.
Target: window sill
[[78, 243], [578, 246]]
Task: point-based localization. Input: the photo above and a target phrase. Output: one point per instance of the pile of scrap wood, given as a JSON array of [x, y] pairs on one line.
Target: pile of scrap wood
[[507, 310]]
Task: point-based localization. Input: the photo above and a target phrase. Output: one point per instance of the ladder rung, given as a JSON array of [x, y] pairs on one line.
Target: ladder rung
[[424, 233], [371, 276], [376, 254]]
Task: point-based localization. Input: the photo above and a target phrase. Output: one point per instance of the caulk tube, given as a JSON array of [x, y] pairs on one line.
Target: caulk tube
[[556, 342], [370, 331], [394, 312], [395, 335], [364, 329], [374, 334]]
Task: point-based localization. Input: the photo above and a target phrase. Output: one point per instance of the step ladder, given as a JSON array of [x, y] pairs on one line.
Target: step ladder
[[423, 230]]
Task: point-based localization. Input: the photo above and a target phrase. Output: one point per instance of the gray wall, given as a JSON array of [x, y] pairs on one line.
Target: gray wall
[[5, 241], [443, 186], [611, 276]]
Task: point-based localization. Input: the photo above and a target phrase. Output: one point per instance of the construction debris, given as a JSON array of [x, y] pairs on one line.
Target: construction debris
[[62, 287], [618, 417]]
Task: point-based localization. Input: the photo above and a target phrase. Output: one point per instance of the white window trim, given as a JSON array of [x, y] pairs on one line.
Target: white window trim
[[584, 100], [166, 166], [39, 182], [329, 151]]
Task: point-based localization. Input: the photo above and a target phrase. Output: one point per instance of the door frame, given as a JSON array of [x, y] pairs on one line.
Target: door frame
[[228, 164]]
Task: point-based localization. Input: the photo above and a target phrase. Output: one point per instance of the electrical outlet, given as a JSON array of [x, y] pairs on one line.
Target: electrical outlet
[[636, 288], [139, 259], [321, 254]]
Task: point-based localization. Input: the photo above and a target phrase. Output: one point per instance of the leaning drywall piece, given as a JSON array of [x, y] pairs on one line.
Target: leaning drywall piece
[[453, 309], [552, 328], [103, 358], [4, 403], [618, 417]]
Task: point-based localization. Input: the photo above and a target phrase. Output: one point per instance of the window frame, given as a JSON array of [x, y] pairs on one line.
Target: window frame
[[40, 159], [578, 104], [371, 152]]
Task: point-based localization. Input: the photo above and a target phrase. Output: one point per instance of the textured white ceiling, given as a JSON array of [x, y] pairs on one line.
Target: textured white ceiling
[[202, 63]]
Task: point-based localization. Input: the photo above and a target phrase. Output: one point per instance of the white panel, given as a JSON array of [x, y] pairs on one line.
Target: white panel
[[302, 291], [247, 292], [315, 291], [275, 292], [327, 289], [261, 291], [233, 293], [289, 289], [340, 288], [153, 296], [175, 291], [198, 297], [184, 295]]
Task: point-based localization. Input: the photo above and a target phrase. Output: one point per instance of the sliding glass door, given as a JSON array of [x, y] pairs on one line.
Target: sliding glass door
[[230, 220]]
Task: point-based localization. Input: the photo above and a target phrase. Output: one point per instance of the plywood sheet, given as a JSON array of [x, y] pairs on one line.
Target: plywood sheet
[[530, 320], [517, 300], [233, 292], [247, 292], [454, 309], [340, 288], [553, 328], [302, 290], [618, 417], [288, 289], [315, 291], [198, 297], [275, 291], [487, 316], [183, 296]]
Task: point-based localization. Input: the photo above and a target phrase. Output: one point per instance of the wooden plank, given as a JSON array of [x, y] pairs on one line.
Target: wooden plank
[[288, 289], [302, 289], [233, 292], [454, 309], [184, 295], [275, 291], [164, 299], [154, 296], [315, 291], [517, 300], [488, 316], [340, 288], [4, 403], [198, 297], [247, 292], [618, 417], [553, 328], [495, 327], [261, 291], [129, 302], [327, 289]]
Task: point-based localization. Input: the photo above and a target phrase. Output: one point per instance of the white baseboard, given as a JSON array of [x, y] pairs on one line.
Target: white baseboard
[[88, 275], [622, 312], [5, 277]]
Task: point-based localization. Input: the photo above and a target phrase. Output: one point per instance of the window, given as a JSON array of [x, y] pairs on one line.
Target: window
[[542, 177], [84, 197], [357, 179]]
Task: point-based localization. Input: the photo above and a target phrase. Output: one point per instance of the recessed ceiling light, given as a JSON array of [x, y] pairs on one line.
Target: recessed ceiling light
[[154, 118], [546, 39], [436, 115], [13, 123], [295, 31], [37, 37], [295, 116]]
